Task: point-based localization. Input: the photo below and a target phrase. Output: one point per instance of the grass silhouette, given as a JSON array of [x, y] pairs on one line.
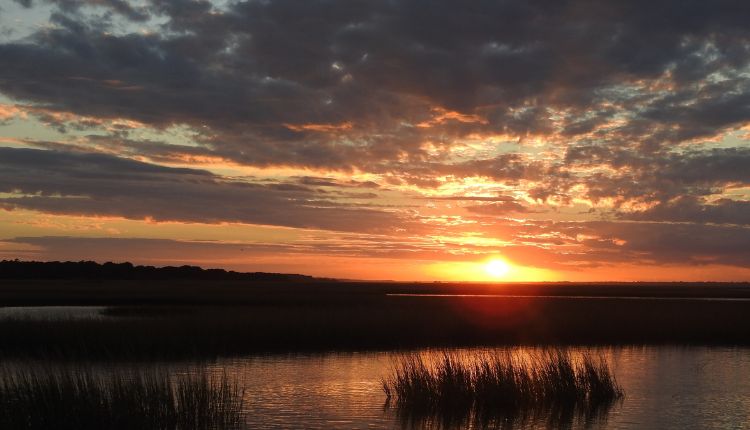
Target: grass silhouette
[[66, 398], [495, 388]]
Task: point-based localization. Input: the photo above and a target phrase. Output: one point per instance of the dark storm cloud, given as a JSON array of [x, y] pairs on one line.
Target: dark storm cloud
[[24, 3], [662, 243], [720, 105], [729, 165], [122, 7], [250, 75], [671, 181], [103, 185], [510, 168], [691, 209]]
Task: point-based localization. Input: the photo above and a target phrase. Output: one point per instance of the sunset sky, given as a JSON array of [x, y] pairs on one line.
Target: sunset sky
[[380, 139]]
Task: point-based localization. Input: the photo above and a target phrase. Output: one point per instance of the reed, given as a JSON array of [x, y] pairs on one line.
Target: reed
[[66, 398], [501, 387]]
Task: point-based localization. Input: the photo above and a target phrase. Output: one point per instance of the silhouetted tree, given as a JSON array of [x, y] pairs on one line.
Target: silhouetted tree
[[16, 269]]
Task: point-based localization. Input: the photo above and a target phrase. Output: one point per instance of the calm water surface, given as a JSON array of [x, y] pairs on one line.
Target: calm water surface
[[666, 388]]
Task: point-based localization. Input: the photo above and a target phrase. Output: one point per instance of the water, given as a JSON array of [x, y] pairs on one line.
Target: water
[[50, 312], [574, 298], [666, 388]]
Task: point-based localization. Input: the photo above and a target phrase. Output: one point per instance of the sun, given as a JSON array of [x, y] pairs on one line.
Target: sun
[[497, 268]]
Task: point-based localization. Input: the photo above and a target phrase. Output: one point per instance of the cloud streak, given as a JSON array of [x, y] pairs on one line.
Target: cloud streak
[[103, 185]]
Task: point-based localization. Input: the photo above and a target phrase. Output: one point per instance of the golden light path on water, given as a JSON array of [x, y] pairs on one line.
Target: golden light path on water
[[342, 391]]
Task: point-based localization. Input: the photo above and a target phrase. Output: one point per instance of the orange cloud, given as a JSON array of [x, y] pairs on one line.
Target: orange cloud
[[10, 111], [441, 116], [321, 128]]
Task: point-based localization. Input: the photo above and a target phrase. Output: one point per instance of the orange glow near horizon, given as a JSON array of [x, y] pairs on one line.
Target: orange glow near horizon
[[495, 269], [231, 246]]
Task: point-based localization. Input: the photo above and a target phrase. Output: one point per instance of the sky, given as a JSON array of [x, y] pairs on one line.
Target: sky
[[380, 139]]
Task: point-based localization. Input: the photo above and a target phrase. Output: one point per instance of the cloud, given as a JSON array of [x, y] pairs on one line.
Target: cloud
[[68, 248], [345, 84], [103, 185], [679, 244], [582, 245], [625, 116], [498, 208], [661, 177], [691, 209], [567, 246]]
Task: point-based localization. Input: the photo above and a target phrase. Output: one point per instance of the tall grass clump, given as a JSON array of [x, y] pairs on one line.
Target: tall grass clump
[[501, 387], [65, 398]]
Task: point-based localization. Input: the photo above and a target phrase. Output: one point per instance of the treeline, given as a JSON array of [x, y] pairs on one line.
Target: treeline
[[16, 269]]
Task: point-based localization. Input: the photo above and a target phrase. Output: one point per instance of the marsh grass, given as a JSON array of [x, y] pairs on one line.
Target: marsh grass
[[501, 388], [66, 398], [171, 321]]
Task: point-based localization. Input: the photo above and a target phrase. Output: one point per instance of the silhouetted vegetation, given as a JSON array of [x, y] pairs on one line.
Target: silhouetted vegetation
[[178, 319], [374, 323], [78, 399], [501, 389], [15, 269]]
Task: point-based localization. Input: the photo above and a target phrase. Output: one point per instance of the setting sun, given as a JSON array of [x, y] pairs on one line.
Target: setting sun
[[497, 268]]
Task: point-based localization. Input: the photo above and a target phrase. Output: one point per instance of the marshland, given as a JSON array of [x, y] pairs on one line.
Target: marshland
[[63, 397], [210, 321], [315, 353], [490, 389], [663, 386]]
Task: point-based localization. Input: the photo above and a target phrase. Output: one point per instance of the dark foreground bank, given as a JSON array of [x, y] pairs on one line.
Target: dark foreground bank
[[162, 319]]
